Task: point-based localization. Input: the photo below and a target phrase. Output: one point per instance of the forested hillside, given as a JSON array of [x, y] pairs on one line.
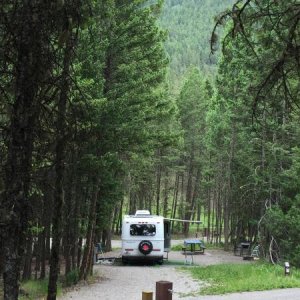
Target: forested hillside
[[189, 24], [102, 112]]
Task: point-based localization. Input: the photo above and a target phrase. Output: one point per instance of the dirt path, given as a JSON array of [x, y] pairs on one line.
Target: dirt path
[[128, 282]]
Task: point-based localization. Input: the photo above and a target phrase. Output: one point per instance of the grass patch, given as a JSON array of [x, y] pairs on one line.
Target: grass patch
[[226, 278], [35, 289], [174, 263], [116, 249], [176, 247], [71, 278]]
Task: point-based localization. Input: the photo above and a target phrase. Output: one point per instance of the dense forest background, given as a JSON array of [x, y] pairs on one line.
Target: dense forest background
[[186, 45], [110, 106]]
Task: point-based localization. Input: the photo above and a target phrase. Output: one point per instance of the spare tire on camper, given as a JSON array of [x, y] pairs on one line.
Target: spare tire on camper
[[145, 247]]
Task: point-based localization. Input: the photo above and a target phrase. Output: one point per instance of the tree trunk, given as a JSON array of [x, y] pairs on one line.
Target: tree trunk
[[199, 206], [228, 194], [76, 237], [38, 257], [208, 214], [69, 226], [119, 224], [166, 193], [132, 202], [115, 219], [28, 258], [196, 192], [213, 209], [158, 183], [15, 206], [107, 242], [43, 255], [88, 250], [60, 169], [175, 200], [79, 251], [189, 195], [182, 204]]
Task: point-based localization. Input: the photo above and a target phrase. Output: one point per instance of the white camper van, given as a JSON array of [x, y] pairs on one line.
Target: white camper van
[[145, 237]]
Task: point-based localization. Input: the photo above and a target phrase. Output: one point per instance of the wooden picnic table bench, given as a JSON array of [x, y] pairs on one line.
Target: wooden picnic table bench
[[191, 247], [194, 246]]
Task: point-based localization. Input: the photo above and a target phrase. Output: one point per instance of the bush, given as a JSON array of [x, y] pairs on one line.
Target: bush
[[36, 289], [72, 277], [285, 227]]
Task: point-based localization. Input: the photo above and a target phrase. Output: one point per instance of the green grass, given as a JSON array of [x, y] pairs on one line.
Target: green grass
[[174, 263], [222, 279], [35, 289], [116, 248], [176, 247]]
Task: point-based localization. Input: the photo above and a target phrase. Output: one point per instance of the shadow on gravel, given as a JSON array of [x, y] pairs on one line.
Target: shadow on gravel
[[119, 263]]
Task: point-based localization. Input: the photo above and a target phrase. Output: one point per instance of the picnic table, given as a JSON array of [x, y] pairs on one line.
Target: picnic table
[[194, 245]]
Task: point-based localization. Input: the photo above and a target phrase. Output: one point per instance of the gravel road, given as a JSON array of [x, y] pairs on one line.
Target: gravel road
[[128, 282]]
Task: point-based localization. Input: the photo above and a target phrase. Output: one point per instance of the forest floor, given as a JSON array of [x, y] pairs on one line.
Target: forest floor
[[128, 282]]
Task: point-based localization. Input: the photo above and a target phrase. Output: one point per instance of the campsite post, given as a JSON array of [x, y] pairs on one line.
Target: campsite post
[[286, 268], [147, 296], [164, 290]]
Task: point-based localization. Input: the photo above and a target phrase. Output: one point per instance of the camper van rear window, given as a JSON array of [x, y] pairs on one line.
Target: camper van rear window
[[142, 229]]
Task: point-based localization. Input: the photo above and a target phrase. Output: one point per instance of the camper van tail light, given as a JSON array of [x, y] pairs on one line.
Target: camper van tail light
[[128, 250]]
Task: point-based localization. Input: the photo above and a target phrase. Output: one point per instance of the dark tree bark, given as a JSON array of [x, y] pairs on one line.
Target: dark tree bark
[[182, 204], [226, 207], [114, 220], [132, 202], [208, 213], [79, 251], [175, 200], [166, 194], [46, 223], [60, 169], [76, 247], [119, 224], [158, 183], [199, 210], [195, 192], [15, 208], [28, 258], [189, 195], [106, 239], [158, 180], [69, 215], [88, 250], [38, 257]]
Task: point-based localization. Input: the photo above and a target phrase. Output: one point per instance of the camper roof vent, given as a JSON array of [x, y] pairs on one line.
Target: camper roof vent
[[142, 213]]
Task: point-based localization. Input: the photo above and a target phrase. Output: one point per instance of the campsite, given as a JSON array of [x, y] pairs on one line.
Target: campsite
[[171, 126]]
